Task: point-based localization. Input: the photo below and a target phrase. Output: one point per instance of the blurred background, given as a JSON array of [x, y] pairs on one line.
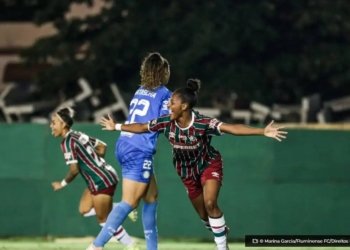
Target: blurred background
[[258, 60]]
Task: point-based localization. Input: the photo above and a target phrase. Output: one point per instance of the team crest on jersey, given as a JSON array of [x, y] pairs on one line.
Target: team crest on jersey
[[67, 156], [213, 123], [192, 138]]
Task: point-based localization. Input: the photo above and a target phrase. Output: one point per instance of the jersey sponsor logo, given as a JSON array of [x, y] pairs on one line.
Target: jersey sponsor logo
[[188, 147], [68, 155]]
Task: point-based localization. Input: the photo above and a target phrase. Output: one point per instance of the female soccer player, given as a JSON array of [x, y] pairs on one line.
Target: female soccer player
[[84, 155], [135, 151], [198, 164]]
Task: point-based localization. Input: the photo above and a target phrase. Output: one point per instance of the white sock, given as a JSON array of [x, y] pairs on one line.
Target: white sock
[[218, 226], [121, 235], [92, 212]]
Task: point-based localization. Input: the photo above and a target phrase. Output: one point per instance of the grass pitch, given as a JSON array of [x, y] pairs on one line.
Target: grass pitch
[[81, 244]]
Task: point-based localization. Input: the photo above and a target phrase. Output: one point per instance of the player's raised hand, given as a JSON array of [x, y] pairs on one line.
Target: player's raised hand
[[107, 123], [275, 132]]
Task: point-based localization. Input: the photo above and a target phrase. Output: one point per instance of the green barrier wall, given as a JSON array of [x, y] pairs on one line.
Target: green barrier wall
[[299, 186]]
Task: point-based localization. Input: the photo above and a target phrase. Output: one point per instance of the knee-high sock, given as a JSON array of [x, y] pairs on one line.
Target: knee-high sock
[[115, 218], [149, 220], [218, 226]]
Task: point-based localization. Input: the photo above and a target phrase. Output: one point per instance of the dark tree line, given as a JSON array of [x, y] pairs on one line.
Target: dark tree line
[[264, 50]]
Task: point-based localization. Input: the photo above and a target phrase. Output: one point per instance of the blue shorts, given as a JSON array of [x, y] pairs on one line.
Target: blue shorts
[[136, 164]]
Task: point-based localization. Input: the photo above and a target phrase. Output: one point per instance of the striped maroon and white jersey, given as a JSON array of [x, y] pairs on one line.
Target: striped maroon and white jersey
[[79, 148], [192, 151]]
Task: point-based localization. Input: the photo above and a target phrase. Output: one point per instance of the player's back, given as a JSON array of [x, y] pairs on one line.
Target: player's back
[[145, 106]]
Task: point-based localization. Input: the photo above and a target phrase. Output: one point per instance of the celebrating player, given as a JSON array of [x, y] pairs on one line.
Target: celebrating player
[[135, 152], [198, 164], [84, 155]]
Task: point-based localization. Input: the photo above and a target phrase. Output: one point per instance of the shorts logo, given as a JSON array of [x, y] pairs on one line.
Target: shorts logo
[[215, 174], [146, 174]]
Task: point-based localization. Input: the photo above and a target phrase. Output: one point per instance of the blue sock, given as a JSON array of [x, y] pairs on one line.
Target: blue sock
[[149, 220], [115, 218]]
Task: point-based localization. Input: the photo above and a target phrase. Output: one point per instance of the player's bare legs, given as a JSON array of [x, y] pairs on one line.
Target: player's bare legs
[[86, 203], [149, 193], [103, 205], [198, 204], [133, 191], [211, 189], [152, 191]]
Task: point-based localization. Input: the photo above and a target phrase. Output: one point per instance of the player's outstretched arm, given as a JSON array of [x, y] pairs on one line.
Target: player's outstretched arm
[[270, 130], [109, 124], [72, 173]]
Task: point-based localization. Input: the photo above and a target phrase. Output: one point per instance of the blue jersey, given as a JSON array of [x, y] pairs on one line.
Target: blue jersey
[[145, 106]]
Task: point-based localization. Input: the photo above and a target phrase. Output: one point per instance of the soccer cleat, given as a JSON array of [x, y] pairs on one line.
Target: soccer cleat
[[133, 215], [92, 247]]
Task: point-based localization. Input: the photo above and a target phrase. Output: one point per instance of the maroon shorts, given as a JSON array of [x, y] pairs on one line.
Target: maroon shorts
[[194, 186], [109, 191]]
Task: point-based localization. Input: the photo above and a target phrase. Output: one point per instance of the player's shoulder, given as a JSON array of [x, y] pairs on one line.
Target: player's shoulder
[[199, 116], [78, 136], [204, 119], [162, 119], [163, 90]]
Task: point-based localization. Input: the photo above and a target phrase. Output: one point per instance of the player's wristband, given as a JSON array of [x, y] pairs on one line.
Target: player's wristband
[[64, 183], [118, 126]]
